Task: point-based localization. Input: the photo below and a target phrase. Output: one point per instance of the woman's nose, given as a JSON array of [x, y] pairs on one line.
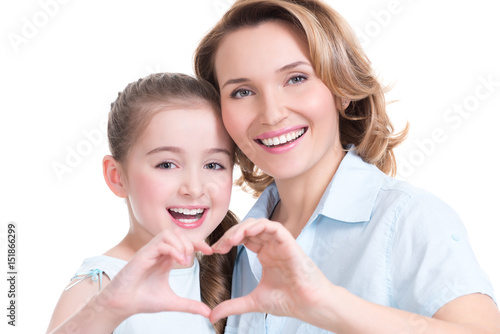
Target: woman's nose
[[272, 110]]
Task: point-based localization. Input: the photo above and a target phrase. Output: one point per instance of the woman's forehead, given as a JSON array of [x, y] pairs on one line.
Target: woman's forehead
[[270, 45]]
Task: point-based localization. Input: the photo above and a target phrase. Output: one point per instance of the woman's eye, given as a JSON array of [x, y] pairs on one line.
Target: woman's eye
[[296, 79], [214, 166], [166, 165], [241, 93]]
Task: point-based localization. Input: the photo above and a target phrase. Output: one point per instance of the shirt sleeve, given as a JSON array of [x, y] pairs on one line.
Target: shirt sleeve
[[432, 261]]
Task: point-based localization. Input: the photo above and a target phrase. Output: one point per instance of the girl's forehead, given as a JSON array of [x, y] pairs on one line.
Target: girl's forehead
[[189, 127]]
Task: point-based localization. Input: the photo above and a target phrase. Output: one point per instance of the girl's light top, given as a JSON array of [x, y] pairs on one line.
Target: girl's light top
[[381, 239], [184, 282]]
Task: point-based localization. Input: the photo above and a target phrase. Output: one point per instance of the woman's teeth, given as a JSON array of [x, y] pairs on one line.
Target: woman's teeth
[[283, 139]]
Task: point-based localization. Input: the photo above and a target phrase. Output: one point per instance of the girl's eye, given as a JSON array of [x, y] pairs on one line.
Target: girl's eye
[[241, 93], [166, 165], [214, 166], [296, 79]]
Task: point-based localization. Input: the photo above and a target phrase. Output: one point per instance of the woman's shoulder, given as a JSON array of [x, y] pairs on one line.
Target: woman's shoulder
[[414, 196]]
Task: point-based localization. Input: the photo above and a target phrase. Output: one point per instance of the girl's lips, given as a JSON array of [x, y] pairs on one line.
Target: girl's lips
[[188, 217]]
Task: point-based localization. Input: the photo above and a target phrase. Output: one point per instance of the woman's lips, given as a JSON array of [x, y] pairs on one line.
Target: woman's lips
[[282, 140]]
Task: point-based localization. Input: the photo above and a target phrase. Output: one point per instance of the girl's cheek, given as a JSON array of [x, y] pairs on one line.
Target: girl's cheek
[[150, 186]]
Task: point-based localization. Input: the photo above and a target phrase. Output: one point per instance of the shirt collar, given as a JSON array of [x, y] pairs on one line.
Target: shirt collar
[[349, 197], [352, 192]]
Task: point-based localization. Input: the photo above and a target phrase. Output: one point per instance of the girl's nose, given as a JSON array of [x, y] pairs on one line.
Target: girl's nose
[[192, 185]]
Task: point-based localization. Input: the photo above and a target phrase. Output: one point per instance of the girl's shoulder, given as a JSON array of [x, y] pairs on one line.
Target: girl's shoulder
[[93, 275], [108, 265]]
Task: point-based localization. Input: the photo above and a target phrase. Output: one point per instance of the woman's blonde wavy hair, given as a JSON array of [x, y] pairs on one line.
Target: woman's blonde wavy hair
[[338, 60]]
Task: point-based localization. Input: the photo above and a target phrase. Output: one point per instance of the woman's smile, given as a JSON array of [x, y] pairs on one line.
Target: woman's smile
[[281, 137], [278, 111]]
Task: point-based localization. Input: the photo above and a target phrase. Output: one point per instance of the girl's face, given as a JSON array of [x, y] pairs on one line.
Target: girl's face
[[179, 173], [274, 106]]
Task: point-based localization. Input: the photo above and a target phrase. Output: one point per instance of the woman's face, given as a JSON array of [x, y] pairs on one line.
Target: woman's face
[[275, 107]]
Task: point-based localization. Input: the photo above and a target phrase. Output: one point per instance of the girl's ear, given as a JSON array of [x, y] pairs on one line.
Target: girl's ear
[[113, 176]]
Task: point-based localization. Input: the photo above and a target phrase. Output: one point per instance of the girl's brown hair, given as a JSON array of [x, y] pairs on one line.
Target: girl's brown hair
[[338, 60], [130, 114]]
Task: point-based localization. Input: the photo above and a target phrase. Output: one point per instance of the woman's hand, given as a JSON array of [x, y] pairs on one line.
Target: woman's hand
[[291, 284], [142, 285]]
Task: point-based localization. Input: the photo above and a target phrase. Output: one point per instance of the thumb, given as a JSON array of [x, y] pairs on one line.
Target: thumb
[[232, 306], [191, 306]]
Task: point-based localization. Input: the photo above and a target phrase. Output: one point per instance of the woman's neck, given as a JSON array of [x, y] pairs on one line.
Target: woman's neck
[[300, 196]]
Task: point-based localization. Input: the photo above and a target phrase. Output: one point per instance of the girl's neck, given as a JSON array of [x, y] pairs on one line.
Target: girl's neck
[[136, 238], [300, 196]]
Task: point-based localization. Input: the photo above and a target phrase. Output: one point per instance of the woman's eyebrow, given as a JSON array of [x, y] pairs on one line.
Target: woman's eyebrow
[[235, 81], [281, 69], [292, 65]]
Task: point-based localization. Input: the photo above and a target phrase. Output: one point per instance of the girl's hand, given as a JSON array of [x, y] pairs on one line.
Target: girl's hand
[[291, 284], [142, 285]]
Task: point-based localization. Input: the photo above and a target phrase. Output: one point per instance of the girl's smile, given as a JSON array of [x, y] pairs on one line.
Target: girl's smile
[[188, 218]]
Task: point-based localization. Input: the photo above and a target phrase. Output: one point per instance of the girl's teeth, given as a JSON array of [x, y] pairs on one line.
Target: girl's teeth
[[283, 138], [187, 211], [187, 220]]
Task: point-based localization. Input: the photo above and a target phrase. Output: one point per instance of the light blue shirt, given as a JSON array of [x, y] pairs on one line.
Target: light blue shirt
[[381, 239]]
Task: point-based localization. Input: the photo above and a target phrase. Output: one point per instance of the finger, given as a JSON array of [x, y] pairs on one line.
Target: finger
[[254, 232], [169, 238], [265, 228], [190, 306], [220, 244], [186, 246], [157, 248], [202, 246], [180, 243], [233, 237], [232, 306], [169, 254]]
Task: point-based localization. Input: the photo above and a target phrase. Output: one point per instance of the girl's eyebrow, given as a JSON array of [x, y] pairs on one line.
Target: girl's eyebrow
[[281, 69], [218, 150], [176, 149], [166, 148]]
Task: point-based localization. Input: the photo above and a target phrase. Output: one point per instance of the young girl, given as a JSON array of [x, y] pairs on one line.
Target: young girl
[[352, 250], [172, 160]]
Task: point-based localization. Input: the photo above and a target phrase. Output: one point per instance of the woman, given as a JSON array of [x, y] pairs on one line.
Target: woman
[[372, 254]]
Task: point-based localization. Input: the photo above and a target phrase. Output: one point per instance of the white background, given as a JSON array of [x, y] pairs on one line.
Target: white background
[[61, 67]]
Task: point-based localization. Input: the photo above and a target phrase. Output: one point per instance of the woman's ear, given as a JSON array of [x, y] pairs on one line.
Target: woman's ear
[[113, 176]]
